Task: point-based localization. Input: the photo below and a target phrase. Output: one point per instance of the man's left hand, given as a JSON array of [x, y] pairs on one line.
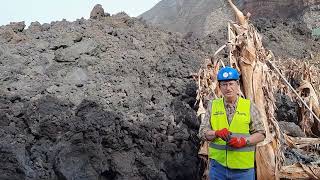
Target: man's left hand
[[237, 142]]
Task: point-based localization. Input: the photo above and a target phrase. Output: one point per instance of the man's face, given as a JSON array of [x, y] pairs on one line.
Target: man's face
[[229, 89]]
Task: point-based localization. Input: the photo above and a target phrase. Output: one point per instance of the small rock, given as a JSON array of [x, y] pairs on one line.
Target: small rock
[[10, 36], [78, 76], [291, 129], [170, 139], [35, 26], [97, 12], [79, 85], [17, 26]]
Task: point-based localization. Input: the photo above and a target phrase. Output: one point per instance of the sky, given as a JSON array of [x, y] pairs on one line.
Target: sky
[[45, 11]]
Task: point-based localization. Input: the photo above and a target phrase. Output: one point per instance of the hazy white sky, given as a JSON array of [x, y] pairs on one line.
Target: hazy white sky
[[45, 11]]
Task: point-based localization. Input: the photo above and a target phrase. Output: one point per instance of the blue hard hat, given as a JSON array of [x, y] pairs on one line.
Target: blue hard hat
[[227, 73]]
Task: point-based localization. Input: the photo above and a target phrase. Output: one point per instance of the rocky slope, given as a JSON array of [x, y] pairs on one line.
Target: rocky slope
[[205, 16], [286, 25], [105, 98], [199, 17]]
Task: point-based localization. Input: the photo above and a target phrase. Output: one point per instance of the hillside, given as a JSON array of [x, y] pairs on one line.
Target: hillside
[[286, 25], [205, 16]]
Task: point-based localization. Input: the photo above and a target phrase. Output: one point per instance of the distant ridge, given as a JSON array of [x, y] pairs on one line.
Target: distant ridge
[[208, 16]]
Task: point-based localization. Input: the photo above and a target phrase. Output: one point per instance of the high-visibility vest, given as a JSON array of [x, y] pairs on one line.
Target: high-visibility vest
[[233, 158]]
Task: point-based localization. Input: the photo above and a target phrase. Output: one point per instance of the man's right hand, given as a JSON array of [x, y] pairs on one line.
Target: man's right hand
[[223, 134]]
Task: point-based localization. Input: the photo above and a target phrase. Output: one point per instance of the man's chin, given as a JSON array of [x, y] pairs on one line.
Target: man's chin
[[229, 95]]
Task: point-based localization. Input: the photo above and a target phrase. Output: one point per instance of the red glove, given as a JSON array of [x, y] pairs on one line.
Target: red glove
[[223, 134], [237, 142]]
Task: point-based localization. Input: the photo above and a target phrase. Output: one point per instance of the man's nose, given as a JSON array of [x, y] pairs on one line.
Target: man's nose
[[228, 86]]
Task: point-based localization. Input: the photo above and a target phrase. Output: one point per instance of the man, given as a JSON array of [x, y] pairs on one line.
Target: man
[[233, 126]]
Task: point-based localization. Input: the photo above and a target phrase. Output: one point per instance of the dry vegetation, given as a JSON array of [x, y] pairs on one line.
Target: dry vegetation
[[262, 76]]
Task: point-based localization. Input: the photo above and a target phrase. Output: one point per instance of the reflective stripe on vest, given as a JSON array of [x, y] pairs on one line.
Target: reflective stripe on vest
[[235, 158]]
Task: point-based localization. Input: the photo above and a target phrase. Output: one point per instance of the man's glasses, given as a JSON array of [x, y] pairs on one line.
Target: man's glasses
[[226, 84]]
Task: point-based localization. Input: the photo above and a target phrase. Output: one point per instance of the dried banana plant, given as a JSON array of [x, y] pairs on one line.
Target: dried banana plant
[[208, 89], [305, 79], [301, 142], [249, 55], [207, 84], [301, 171]]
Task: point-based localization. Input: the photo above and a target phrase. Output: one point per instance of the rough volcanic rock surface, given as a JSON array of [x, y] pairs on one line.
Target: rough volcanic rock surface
[[192, 16], [285, 25], [97, 99], [287, 38], [199, 17], [286, 109]]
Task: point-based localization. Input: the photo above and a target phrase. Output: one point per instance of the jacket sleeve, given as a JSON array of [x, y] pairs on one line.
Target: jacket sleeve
[[256, 123], [205, 122]]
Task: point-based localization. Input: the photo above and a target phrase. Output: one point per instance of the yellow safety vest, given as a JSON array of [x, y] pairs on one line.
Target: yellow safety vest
[[234, 158]]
